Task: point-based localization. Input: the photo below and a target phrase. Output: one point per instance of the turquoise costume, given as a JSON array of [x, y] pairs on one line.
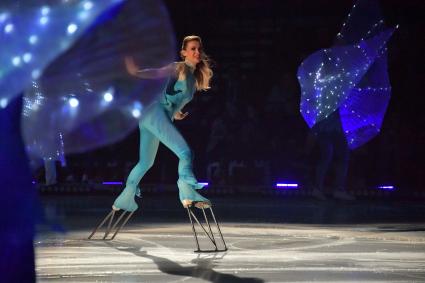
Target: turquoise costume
[[156, 125]]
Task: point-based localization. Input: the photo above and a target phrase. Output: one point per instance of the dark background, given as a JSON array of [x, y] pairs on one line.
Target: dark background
[[257, 46]]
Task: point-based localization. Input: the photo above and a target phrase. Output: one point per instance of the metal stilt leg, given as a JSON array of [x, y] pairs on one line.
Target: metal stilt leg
[[111, 224], [218, 228], [209, 234], [209, 226], [122, 225], [101, 223], [193, 229]]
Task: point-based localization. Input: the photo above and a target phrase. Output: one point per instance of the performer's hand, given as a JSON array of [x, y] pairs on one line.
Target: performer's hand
[[132, 68], [180, 115]]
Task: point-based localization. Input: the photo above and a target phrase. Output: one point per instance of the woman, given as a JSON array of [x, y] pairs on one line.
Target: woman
[[185, 77]]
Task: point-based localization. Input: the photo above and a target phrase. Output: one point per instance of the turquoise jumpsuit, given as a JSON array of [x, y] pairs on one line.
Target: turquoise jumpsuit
[[156, 125]]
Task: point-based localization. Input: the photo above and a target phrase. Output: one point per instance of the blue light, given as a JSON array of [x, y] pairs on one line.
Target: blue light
[[72, 28], [73, 102], [112, 183], [387, 187], [287, 186], [203, 183]]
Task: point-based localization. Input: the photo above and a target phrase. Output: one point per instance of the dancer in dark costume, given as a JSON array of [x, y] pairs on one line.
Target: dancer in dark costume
[[345, 91]]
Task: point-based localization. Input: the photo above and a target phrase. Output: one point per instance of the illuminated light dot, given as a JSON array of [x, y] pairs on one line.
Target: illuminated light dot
[[35, 74], [73, 102], [8, 28], [27, 57], [72, 28], [44, 20], [108, 97], [33, 39], [16, 61], [136, 113], [45, 10], [3, 102], [88, 5], [3, 17], [83, 15]]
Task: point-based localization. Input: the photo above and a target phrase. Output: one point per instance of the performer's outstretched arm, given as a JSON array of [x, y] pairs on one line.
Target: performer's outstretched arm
[[151, 73]]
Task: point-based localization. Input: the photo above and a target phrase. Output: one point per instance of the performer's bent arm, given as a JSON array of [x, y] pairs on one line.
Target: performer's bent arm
[[153, 73]]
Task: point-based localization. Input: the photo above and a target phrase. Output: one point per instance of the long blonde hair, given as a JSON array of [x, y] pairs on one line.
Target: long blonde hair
[[203, 72]]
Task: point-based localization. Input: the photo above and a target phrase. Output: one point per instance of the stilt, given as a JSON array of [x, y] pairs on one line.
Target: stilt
[[209, 233], [112, 225]]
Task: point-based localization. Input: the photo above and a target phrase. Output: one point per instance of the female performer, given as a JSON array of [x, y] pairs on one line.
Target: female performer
[[156, 123]]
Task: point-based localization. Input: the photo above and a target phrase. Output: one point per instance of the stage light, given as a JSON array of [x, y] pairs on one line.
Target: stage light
[[386, 187], [287, 186], [112, 183]]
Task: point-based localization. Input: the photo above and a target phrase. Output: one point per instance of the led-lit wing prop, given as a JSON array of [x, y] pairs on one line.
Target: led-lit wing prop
[[34, 33], [86, 98], [350, 77]]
